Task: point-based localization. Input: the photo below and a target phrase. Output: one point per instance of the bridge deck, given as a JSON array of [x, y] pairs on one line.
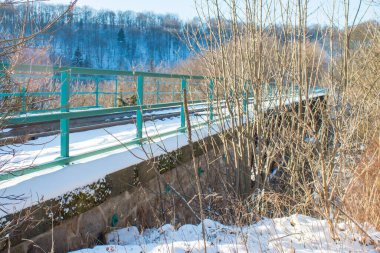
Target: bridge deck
[[55, 181], [47, 148], [50, 183]]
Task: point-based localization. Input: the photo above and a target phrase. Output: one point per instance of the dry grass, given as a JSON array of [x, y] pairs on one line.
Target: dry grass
[[363, 194]]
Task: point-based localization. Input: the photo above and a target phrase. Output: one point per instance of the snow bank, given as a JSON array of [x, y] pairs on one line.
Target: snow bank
[[296, 233]]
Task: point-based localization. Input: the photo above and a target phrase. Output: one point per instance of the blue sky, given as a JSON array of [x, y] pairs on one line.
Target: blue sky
[[185, 8]]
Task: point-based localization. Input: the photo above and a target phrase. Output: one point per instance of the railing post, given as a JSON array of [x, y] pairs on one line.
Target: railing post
[[231, 100], [139, 103], [23, 101], [245, 98], [211, 99], [65, 107], [173, 94], [183, 118], [115, 94], [157, 91], [271, 85], [96, 91]]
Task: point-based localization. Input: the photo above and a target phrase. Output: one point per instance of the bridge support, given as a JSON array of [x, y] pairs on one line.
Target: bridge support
[[245, 98], [211, 99], [97, 92], [115, 93], [23, 99], [139, 102], [65, 107], [157, 91], [183, 116]]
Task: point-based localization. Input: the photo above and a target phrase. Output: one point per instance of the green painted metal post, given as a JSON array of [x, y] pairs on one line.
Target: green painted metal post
[[96, 92], [23, 99], [245, 99], [183, 119], [211, 100], [271, 85], [173, 93], [230, 97], [65, 107], [139, 102], [157, 91], [115, 95]]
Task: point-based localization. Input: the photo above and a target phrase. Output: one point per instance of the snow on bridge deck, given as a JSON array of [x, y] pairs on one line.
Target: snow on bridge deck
[[50, 183]]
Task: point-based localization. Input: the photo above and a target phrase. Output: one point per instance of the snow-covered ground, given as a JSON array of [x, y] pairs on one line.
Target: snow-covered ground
[[292, 234]]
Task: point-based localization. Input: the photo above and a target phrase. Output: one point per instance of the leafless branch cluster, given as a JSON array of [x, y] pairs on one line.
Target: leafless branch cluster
[[11, 44], [289, 150]]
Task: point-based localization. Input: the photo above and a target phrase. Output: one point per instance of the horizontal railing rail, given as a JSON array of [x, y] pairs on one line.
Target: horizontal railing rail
[[11, 121], [90, 71]]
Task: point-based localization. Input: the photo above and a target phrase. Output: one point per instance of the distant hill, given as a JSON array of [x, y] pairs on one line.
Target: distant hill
[[103, 39], [123, 39]]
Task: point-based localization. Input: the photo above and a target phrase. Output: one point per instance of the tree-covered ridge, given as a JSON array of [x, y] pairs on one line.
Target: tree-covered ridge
[[103, 38], [129, 40]]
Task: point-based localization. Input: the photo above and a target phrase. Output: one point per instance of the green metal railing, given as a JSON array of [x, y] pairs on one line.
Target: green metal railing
[[97, 77], [66, 113]]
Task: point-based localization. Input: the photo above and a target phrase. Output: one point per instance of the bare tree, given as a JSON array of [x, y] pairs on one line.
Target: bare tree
[[277, 136], [11, 44]]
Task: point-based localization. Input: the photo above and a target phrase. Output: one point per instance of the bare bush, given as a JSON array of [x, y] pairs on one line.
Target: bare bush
[[288, 156]]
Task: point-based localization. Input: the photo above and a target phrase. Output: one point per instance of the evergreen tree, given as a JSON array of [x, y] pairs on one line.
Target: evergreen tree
[[121, 36], [78, 58], [122, 44], [87, 62]]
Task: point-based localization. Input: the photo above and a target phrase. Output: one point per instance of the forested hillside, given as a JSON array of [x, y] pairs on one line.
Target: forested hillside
[[103, 39], [124, 39]]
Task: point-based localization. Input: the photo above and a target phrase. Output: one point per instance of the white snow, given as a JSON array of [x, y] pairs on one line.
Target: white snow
[[48, 184], [6, 130], [297, 233], [46, 149], [51, 183]]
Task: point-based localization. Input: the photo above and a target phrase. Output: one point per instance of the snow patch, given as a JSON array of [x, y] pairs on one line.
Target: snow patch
[[297, 233], [6, 130]]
